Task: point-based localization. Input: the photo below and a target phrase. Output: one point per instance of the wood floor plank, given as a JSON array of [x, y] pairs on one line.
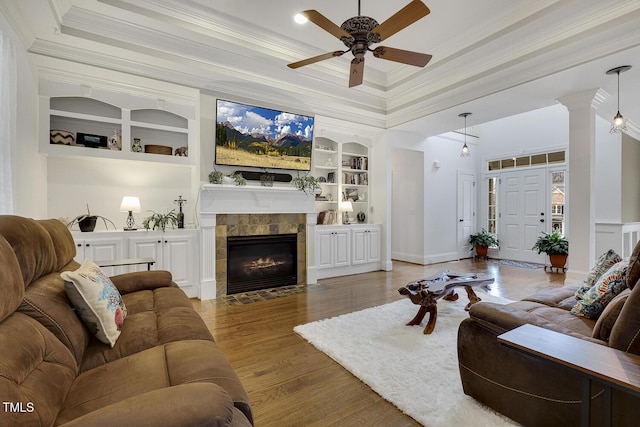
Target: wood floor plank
[[290, 383]]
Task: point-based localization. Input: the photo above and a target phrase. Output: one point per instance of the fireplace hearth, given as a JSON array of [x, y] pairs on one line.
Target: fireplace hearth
[[261, 262]]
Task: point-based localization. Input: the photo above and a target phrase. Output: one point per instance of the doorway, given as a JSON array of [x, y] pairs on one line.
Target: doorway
[[466, 211]]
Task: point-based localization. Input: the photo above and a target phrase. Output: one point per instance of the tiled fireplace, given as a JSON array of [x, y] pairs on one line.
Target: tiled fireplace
[[230, 211]]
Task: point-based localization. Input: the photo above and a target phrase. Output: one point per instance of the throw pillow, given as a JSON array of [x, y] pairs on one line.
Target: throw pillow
[[606, 288], [633, 272], [96, 300], [603, 264], [609, 315]]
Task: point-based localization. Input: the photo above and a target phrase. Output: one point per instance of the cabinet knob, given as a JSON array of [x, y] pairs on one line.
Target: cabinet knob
[[87, 245], [159, 241], [165, 241], [79, 245]]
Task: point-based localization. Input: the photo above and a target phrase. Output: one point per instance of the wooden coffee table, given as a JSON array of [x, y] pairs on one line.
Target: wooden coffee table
[[426, 293]]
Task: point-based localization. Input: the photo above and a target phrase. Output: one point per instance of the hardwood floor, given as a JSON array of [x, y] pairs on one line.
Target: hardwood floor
[[290, 383]]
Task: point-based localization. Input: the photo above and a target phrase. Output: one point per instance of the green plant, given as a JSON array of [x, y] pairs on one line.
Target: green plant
[[160, 221], [482, 238], [88, 217], [552, 244], [238, 178], [216, 177], [307, 183]]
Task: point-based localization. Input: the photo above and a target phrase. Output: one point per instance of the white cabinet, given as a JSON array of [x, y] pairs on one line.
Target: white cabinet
[[333, 247], [173, 251], [347, 249], [366, 245], [100, 249]]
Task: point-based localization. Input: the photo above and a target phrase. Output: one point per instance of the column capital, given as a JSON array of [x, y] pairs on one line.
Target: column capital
[[586, 98]]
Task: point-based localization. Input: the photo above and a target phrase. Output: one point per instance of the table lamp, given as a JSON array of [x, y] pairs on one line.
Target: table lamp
[[130, 204], [346, 207]]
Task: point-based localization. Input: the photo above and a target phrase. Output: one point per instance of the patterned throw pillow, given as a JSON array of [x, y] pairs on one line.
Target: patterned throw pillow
[[633, 273], [606, 288], [96, 300], [604, 263]]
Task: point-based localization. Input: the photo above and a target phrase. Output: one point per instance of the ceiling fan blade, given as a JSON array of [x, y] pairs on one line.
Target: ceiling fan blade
[[401, 19], [323, 22], [357, 72], [318, 58], [402, 56]]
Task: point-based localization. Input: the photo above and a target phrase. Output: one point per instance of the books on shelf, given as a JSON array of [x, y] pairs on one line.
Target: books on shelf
[[327, 217], [355, 178], [360, 163]]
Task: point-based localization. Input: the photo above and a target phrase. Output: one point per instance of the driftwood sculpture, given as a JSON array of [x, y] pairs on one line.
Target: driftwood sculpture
[[426, 293]]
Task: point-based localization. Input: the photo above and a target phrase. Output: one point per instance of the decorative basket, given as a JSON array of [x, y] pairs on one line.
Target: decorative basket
[[61, 137], [158, 149]]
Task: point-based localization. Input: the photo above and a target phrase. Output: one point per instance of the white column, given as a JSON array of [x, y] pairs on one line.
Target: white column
[[581, 181], [208, 256]]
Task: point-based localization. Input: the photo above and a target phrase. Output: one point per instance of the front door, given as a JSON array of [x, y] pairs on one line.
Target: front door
[[523, 213]]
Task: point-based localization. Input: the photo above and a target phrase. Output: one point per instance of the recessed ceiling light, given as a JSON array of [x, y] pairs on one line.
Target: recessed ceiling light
[[300, 18]]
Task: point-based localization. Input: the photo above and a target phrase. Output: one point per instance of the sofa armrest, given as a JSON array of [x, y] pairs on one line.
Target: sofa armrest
[[142, 280], [202, 404]]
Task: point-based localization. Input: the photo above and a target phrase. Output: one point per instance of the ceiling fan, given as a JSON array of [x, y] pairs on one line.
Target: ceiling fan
[[360, 32]]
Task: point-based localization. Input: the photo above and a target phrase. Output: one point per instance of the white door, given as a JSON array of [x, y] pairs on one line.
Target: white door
[[523, 213], [466, 211], [176, 257]]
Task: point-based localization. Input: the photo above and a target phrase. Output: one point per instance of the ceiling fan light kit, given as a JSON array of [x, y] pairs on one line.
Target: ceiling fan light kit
[[360, 32], [618, 123]]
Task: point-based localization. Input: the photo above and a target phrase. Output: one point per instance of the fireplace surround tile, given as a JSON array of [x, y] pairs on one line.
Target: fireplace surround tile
[[228, 225]]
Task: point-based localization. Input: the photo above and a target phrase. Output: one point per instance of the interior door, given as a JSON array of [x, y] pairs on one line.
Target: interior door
[[466, 211], [523, 213]]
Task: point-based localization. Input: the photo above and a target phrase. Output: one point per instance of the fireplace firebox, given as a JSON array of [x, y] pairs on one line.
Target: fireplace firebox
[[261, 262]]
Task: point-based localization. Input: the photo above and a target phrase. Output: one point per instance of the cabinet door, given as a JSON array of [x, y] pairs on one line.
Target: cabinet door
[[374, 245], [342, 249], [324, 250], [360, 243], [146, 247], [101, 249], [177, 257]]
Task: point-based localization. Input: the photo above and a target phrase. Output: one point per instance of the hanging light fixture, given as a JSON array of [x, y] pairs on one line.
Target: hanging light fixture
[[618, 124], [465, 148]]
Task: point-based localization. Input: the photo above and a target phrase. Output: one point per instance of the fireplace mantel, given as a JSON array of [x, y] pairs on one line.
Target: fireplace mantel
[[216, 199]]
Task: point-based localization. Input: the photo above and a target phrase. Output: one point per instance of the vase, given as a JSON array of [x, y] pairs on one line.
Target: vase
[[88, 224], [136, 147]]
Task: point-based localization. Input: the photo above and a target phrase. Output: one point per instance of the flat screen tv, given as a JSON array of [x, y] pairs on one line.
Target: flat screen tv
[[247, 135]]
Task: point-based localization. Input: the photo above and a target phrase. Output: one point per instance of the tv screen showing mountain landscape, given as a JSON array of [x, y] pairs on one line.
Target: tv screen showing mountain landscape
[[260, 137]]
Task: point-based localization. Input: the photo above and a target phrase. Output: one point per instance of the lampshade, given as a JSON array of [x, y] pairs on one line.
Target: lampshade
[[465, 148], [130, 204], [618, 123], [346, 206]]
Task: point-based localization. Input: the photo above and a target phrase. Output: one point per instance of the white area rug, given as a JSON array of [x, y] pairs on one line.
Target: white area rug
[[417, 373]]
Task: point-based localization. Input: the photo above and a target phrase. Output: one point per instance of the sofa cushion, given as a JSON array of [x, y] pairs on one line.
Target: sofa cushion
[[64, 245], [46, 301], [35, 368], [606, 288], [602, 329], [625, 334], [154, 369], [633, 273], [11, 284], [154, 318], [31, 244], [604, 263], [96, 300]]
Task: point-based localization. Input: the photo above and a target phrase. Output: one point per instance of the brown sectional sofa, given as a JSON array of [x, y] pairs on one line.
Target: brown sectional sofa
[[535, 392], [165, 368]]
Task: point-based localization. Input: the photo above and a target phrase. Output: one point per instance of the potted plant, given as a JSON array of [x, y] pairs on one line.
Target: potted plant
[[307, 183], [160, 221], [555, 245], [481, 241], [87, 222], [216, 177]]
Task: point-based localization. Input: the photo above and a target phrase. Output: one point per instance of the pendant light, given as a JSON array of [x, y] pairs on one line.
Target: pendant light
[[465, 148], [618, 124]]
